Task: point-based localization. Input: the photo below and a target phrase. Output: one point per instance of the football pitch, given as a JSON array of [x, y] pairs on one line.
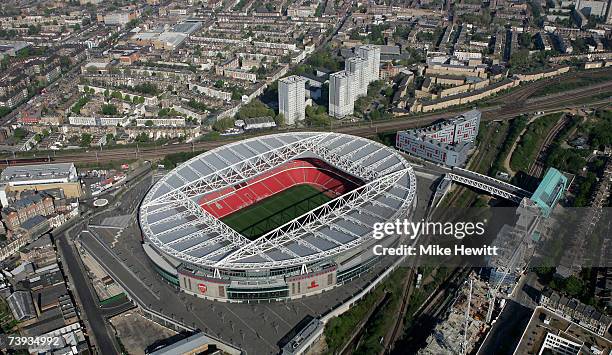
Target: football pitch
[[274, 211]]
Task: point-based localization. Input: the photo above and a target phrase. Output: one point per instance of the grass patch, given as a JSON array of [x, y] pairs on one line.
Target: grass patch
[[529, 146], [274, 211], [573, 84], [338, 330], [516, 127]]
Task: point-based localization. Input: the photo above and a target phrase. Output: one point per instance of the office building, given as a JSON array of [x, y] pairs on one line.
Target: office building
[[341, 96], [445, 143], [550, 191], [291, 98], [40, 177]]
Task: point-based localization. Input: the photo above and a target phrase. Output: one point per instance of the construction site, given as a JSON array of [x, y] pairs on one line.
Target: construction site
[[465, 323]]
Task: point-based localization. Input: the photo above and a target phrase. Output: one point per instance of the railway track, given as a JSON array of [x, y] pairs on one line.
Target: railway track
[[537, 167], [363, 129]]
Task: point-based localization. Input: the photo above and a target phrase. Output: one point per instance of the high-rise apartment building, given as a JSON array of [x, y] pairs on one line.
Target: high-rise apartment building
[[292, 98], [371, 54], [358, 67], [341, 96]]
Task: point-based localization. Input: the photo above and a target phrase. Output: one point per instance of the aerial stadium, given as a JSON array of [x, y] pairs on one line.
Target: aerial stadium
[[275, 217]]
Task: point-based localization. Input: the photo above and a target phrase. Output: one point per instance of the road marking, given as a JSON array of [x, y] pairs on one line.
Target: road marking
[[310, 309], [253, 330], [276, 314], [122, 264]]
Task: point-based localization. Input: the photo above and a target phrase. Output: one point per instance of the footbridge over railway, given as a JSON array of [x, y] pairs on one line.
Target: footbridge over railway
[[488, 184]]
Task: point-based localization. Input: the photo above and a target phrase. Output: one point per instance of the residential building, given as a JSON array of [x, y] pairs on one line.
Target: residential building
[[585, 315], [35, 204], [445, 143], [118, 18], [592, 7], [292, 98], [341, 96], [371, 54], [358, 67]]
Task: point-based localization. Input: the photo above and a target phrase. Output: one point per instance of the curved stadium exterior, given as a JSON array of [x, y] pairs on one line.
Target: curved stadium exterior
[[274, 217]]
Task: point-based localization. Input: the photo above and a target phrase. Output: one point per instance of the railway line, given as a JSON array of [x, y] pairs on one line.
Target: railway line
[[537, 166], [363, 129]]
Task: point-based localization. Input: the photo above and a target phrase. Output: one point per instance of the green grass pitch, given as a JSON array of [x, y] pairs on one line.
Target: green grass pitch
[[274, 211]]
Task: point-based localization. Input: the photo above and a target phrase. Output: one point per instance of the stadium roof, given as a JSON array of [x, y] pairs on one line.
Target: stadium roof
[[175, 224]]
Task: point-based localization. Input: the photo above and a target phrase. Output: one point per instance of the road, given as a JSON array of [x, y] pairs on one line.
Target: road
[[97, 324]]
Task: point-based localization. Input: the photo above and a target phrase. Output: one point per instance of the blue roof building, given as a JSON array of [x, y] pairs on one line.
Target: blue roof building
[[550, 190]]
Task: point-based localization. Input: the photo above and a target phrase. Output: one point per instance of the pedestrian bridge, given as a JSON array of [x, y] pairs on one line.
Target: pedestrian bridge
[[488, 184]]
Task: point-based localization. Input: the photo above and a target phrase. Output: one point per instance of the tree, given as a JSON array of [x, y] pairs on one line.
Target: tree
[[519, 59], [148, 123], [117, 95], [280, 120], [197, 105], [147, 89], [65, 62], [109, 110], [20, 133], [223, 124], [86, 139], [573, 286], [4, 111], [255, 108]]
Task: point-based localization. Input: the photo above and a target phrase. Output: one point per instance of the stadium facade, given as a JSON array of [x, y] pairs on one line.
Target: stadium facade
[[183, 217]]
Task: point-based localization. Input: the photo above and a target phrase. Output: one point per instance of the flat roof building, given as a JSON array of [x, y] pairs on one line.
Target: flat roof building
[[371, 54], [447, 143], [341, 95], [292, 98], [550, 190], [39, 174], [40, 177]]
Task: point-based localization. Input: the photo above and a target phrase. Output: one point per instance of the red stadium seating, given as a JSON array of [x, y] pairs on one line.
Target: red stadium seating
[[313, 172]]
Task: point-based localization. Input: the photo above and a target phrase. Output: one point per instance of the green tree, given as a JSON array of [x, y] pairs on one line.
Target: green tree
[[148, 123], [86, 139], [20, 133], [109, 110], [143, 138], [573, 286], [223, 124], [280, 120], [255, 108]]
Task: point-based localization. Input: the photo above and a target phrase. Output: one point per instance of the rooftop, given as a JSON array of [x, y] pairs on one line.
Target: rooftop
[[38, 172]]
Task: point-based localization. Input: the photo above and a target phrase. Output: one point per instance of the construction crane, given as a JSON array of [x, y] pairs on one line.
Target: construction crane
[[467, 320], [505, 271]]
